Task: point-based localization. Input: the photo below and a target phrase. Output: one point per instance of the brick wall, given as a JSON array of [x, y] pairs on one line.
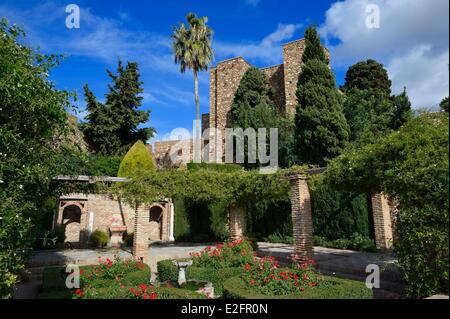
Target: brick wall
[[237, 222], [382, 221], [301, 218]]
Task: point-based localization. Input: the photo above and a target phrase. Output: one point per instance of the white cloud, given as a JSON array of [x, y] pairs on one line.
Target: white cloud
[[412, 42], [425, 77], [268, 50]]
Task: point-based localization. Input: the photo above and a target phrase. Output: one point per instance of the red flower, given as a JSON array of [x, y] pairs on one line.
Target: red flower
[[248, 266], [143, 287], [313, 284], [153, 295], [302, 289], [305, 277], [79, 292]]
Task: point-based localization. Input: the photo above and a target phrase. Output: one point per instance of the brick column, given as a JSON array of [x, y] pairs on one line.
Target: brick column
[[140, 241], [237, 222], [301, 217], [382, 221]]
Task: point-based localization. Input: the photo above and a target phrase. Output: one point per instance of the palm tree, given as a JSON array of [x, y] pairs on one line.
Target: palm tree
[[192, 49]]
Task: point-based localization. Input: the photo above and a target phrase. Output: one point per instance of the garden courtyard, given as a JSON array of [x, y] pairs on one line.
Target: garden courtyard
[[333, 262]]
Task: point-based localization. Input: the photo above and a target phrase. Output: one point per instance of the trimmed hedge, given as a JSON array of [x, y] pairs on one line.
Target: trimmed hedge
[[234, 288], [214, 167], [168, 271]]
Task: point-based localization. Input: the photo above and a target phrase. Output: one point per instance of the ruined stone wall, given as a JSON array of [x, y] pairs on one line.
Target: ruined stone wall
[[292, 59], [224, 81], [275, 74]]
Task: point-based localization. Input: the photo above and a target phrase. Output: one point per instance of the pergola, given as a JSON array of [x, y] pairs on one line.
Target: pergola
[[301, 216]]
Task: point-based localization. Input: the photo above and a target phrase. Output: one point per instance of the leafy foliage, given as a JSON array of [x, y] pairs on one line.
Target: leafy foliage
[[368, 114], [444, 105], [253, 107], [32, 113], [321, 127], [137, 158], [112, 128], [192, 47], [337, 214], [368, 75], [412, 166], [99, 238], [313, 48]]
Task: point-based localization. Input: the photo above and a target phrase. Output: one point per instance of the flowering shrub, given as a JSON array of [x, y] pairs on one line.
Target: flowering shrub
[[143, 291], [265, 276], [109, 269], [229, 254]]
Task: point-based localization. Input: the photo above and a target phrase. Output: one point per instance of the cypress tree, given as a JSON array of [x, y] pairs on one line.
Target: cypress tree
[[321, 128], [313, 48]]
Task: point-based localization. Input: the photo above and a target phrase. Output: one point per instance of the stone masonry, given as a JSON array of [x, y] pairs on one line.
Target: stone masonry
[[140, 240], [301, 218], [382, 221], [225, 78], [237, 222], [81, 214]]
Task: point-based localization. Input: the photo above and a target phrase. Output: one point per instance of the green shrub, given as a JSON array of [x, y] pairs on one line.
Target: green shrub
[[337, 214], [99, 238], [336, 288], [167, 270], [214, 167], [411, 166], [137, 158], [356, 242], [228, 254]]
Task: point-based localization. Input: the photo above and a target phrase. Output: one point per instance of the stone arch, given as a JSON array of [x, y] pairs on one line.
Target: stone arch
[[71, 221], [156, 214]]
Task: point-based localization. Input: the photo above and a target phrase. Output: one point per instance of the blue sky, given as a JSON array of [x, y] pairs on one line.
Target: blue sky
[[412, 42]]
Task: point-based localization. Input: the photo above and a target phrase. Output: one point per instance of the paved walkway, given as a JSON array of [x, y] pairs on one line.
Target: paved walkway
[[345, 263]]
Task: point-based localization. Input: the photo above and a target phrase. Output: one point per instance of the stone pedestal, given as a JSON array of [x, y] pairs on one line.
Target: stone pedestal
[[301, 218]]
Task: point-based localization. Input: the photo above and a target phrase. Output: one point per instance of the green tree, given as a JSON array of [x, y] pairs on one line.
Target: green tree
[[444, 104], [321, 128], [369, 115], [313, 48], [368, 75], [192, 49], [137, 158], [99, 129], [402, 112], [112, 128], [410, 165], [253, 107], [32, 113]]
